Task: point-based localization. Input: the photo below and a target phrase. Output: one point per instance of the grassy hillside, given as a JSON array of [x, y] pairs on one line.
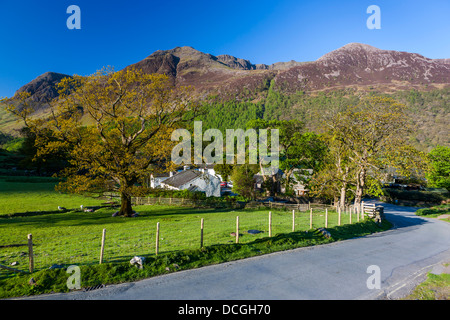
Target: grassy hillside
[[7, 121]]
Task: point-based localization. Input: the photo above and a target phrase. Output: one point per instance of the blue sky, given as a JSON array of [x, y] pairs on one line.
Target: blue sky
[[34, 37]]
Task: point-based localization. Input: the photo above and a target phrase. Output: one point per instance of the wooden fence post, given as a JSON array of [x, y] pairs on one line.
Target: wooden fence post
[[310, 218], [103, 246], [30, 253], [326, 217], [237, 229], [201, 233], [293, 220], [270, 223], [157, 239], [362, 210], [350, 215]]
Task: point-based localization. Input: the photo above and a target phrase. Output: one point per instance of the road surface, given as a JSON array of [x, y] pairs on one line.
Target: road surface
[[340, 270]]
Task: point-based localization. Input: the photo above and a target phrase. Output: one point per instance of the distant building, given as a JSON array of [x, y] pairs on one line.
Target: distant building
[[209, 168], [297, 178], [157, 178]]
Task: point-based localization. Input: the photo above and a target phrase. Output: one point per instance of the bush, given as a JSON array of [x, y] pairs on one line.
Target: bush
[[437, 210], [413, 195], [165, 193]]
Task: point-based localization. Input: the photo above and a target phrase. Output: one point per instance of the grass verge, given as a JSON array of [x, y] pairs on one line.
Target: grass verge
[[435, 211], [435, 287], [55, 280]]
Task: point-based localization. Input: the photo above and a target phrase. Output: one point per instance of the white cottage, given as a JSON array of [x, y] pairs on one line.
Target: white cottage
[[193, 180]]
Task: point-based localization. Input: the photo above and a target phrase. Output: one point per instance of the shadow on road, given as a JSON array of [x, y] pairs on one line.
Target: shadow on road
[[400, 216]]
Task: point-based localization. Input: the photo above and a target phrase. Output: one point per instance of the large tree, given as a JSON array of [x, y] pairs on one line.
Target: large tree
[[337, 175], [243, 180], [373, 135], [113, 126]]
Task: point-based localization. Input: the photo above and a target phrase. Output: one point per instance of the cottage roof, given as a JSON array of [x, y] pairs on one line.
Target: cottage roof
[[181, 178]]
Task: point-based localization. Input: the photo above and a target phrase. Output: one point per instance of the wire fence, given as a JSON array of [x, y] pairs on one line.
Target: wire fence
[[175, 232], [227, 204]]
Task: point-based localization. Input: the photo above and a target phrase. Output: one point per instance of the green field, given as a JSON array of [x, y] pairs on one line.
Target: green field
[[35, 194], [74, 237]]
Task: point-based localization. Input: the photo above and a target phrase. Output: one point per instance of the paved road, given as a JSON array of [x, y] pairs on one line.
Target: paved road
[[334, 271]]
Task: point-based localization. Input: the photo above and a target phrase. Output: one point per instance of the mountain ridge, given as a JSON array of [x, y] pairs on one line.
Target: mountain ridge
[[354, 64]]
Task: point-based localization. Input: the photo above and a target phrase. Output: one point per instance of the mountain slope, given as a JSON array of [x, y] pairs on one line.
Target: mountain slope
[[363, 65], [207, 73], [43, 88]]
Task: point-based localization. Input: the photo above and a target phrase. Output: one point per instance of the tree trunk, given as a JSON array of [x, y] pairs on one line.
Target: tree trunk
[[275, 185], [288, 174], [335, 201], [126, 209], [344, 188], [343, 194], [360, 182]]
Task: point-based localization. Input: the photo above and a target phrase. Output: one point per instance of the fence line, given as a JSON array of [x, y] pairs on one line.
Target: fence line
[[238, 204]]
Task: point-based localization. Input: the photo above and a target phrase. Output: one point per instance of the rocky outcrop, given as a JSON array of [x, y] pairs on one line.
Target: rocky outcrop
[[159, 62], [236, 63], [445, 61]]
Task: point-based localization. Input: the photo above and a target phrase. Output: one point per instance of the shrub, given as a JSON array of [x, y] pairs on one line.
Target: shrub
[[413, 195], [437, 210]]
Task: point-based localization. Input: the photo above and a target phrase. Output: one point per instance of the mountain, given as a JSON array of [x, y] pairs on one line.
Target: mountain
[[353, 65], [223, 74], [242, 64], [358, 64], [43, 88]]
